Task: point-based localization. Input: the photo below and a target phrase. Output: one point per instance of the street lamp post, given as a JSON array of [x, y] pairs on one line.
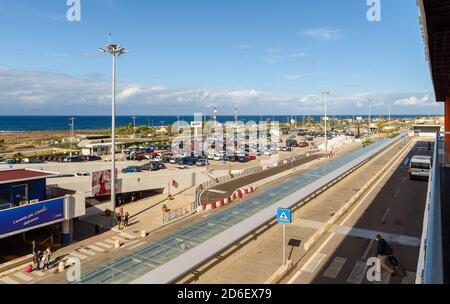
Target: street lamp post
[[326, 94], [370, 117], [72, 131], [115, 50]]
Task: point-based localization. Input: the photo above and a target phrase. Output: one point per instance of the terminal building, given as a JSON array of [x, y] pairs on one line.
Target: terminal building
[[28, 206]]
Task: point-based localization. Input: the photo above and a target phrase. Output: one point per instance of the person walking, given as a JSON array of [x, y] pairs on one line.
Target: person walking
[[384, 251], [47, 258], [37, 258], [119, 220], [126, 219]]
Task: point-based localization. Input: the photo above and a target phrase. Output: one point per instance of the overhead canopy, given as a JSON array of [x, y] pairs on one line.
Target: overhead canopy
[[435, 19]]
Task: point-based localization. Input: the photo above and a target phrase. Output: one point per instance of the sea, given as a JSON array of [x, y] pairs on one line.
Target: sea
[[62, 123]]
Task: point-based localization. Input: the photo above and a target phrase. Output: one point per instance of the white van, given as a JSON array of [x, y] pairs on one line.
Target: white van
[[420, 166]]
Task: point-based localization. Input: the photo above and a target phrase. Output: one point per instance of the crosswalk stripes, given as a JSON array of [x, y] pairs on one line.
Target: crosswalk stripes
[[128, 236], [358, 273], [136, 246], [130, 243], [314, 262], [22, 276], [86, 251], [107, 246], [110, 241], [7, 280], [95, 248], [38, 273], [335, 268], [118, 239], [78, 255]]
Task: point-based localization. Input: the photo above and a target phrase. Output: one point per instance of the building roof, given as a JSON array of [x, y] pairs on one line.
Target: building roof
[[19, 175], [435, 21]]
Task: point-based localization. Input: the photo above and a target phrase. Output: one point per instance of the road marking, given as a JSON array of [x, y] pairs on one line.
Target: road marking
[[217, 191], [95, 248], [366, 252], [118, 239], [404, 179], [313, 262], [335, 268], [383, 220], [136, 246], [38, 273], [358, 273], [88, 252], [104, 245], [396, 193], [130, 243], [7, 280], [128, 236], [410, 278], [110, 241], [78, 255], [23, 277]]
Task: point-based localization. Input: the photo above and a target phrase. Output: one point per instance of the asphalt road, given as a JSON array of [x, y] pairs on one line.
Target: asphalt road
[[394, 208]]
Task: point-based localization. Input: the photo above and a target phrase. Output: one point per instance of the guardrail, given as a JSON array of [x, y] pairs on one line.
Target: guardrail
[[185, 263], [223, 179], [430, 266]]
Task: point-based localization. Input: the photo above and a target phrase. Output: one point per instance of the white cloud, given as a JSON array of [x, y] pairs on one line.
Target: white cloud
[[293, 77], [44, 93], [323, 33], [244, 46]]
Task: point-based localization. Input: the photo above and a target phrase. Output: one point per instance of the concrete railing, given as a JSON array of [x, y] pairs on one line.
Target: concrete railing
[[430, 265]]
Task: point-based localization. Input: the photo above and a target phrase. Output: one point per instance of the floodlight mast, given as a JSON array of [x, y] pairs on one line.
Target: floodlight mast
[[114, 50]]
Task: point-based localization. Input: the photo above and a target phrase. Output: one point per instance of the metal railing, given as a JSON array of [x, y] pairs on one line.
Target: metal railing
[[430, 265]]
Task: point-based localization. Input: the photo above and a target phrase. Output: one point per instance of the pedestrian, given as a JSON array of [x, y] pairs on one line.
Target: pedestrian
[[47, 258], [37, 256], [126, 219], [119, 220], [384, 251]]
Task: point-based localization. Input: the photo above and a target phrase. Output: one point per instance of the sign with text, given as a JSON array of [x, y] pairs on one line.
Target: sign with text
[[24, 218]]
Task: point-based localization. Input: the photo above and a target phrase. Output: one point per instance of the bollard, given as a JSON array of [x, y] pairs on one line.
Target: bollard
[[229, 199], [143, 234], [117, 244], [61, 267]]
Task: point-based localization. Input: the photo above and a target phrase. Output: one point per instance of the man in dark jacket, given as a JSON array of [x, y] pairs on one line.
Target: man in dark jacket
[[383, 252]]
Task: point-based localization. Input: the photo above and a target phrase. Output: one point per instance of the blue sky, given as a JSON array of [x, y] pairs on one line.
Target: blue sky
[[265, 57]]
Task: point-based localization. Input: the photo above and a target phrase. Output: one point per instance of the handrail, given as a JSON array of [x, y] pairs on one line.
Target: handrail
[[430, 266]]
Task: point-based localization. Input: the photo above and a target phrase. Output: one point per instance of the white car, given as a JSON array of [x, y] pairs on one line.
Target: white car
[[217, 157], [182, 167], [420, 166], [79, 174]]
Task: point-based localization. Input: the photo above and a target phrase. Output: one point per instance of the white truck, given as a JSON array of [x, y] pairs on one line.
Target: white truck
[[420, 167]]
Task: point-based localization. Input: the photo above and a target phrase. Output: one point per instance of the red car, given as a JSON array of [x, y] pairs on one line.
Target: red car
[[303, 145], [251, 157]]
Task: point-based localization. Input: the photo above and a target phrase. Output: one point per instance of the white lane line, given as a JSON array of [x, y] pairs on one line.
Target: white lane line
[[396, 193], [217, 191], [130, 243], [128, 236], [7, 280], [104, 245], [358, 273], [313, 262], [86, 251], [95, 248], [136, 246], [383, 220], [335, 268], [118, 239], [22, 276], [78, 255]]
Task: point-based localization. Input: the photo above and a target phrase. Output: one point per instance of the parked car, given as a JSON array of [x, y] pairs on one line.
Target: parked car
[[132, 169], [303, 144], [79, 174], [420, 167], [202, 163], [151, 166], [243, 159]]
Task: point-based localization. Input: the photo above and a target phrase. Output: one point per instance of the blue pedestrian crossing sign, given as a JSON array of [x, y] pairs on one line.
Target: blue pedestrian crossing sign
[[284, 216]]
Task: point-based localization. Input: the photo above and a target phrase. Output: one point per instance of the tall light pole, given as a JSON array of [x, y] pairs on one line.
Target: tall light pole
[[134, 126], [370, 117], [162, 128], [389, 116], [115, 50], [325, 95], [72, 135]]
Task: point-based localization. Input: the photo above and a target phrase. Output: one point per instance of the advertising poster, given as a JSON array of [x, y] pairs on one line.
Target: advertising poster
[[101, 183]]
